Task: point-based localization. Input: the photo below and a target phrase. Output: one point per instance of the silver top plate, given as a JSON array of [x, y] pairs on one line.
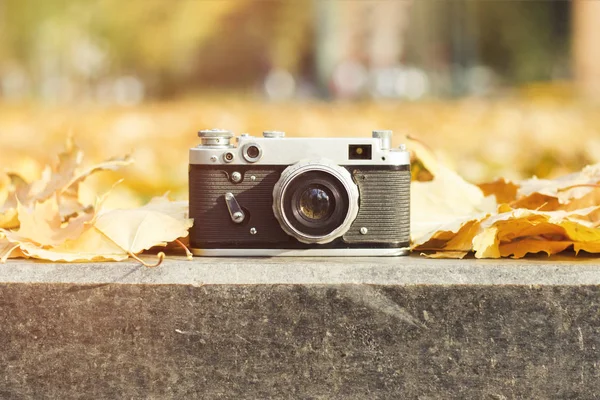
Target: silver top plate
[[287, 151]]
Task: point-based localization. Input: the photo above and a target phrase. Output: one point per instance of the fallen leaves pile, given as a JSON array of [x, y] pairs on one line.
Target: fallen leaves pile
[[47, 220], [451, 217], [61, 217]]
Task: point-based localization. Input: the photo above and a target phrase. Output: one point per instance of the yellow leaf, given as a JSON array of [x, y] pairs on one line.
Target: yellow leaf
[[521, 231], [446, 254], [564, 189], [15, 188], [445, 203], [9, 218], [486, 244], [580, 233], [519, 248], [593, 247], [537, 201], [135, 230], [8, 249], [92, 245], [176, 209], [504, 191], [453, 239], [43, 224], [61, 175]]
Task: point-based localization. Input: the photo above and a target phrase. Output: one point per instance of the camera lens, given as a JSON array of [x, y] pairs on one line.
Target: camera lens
[[316, 203]]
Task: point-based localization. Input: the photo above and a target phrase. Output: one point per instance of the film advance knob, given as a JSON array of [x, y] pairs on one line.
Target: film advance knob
[[215, 137], [273, 134]]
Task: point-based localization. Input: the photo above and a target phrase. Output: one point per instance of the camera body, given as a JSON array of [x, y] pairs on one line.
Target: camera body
[[277, 196]]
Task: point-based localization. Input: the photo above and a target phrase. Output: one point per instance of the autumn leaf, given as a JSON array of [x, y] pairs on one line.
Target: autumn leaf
[[445, 206], [14, 187], [8, 249], [446, 254], [61, 181], [43, 224], [451, 217], [113, 235], [92, 245], [136, 230], [504, 190], [518, 232], [46, 220]]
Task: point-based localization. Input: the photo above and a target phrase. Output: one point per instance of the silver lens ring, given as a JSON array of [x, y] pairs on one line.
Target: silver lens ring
[[252, 152], [281, 196]]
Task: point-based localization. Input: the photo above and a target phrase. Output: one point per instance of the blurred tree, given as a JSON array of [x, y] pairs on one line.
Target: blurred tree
[[586, 49], [524, 41], [74, 47]]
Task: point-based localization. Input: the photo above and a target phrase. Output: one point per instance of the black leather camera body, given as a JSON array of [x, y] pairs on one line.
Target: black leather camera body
[[277, 196]]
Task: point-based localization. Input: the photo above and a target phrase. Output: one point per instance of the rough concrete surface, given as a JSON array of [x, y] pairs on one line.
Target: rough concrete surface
[[376, 328]]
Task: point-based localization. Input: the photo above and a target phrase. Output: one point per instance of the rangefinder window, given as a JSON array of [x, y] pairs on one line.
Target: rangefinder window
[[359, 152]]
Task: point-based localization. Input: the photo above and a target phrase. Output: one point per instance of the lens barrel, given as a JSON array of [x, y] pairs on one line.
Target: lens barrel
[[315, 201]]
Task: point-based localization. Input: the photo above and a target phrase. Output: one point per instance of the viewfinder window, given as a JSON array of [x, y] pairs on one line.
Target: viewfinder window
[[359, 152]]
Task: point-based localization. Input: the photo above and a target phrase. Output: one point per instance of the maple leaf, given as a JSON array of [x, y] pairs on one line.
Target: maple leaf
[[15, 187], [446, 254], [62, 181], [445, 208], [43, 224], [505, 191], [518, 232], [45, 219], [136, 230], [568, 192], [111, 235], [8, 249], [91, 245]]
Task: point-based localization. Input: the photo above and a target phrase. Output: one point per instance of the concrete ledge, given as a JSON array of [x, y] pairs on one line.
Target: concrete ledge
[[301, 328], [258, 271]]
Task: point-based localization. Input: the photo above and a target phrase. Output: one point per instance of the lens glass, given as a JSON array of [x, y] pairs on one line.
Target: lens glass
[[316, 203]]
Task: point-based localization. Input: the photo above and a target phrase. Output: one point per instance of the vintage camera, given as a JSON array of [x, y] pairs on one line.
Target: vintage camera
[[273, 195]]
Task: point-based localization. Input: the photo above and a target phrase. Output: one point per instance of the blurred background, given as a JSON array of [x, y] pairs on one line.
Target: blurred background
[[496, 88]]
